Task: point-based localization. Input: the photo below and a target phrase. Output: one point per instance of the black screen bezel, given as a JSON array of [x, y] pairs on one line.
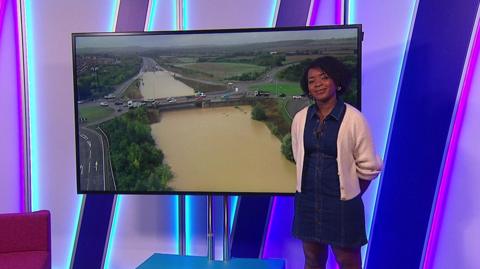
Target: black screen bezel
[[184, 32]]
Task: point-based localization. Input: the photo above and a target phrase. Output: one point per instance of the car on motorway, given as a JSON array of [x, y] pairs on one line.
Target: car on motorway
[[171, 100], [200, 94], [103, 103], [109, 96]]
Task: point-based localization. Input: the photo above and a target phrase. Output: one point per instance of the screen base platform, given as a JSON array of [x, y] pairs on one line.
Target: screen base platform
[[170, 261]]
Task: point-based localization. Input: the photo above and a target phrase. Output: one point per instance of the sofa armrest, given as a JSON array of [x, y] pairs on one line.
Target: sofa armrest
[[28, 231]]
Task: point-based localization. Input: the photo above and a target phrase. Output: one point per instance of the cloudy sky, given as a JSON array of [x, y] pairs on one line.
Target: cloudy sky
[[160, 39]]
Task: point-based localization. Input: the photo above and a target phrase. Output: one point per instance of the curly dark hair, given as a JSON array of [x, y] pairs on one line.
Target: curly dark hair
[[336, 70]]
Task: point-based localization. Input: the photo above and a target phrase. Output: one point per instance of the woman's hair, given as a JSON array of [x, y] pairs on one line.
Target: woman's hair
[[336, 70]]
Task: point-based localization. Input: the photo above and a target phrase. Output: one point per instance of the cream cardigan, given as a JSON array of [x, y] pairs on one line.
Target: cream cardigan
[[356, 156]]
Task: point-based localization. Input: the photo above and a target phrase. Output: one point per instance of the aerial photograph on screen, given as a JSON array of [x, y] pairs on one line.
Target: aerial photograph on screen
[[195, 112]]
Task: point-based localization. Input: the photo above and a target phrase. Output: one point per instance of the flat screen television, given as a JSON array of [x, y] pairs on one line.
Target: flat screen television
[[197, 112]]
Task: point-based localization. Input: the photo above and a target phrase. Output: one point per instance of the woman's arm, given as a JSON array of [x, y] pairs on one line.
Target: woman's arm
[[367, 161], [294, 135]]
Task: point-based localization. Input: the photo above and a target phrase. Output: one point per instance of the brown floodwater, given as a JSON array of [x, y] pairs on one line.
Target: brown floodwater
[[161, 84], [223, 150]]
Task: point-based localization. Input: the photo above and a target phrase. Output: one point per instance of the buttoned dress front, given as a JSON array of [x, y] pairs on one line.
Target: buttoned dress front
[[320, 214]]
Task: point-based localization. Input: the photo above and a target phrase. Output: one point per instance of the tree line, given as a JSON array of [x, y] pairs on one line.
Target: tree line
[[137, 163]]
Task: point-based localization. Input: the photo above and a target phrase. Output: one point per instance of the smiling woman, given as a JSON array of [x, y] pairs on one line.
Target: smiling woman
[[335, 160]]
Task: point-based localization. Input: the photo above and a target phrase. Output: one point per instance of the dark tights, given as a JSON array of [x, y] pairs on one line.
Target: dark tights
[[316, 255]]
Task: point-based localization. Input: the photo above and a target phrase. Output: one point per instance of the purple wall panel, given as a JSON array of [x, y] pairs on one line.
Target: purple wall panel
[[323, 12], [131, 15], [218, 14], [11, 137], [458, 232], [429, 87], [293, 13]]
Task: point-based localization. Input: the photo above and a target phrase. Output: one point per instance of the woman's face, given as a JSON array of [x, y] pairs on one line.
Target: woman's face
[[320, 86]]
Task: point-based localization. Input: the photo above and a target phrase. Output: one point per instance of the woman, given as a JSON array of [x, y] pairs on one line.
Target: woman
[[335, 161]]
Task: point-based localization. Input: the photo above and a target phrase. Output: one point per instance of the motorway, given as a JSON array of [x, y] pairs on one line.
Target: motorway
[[92, 175]]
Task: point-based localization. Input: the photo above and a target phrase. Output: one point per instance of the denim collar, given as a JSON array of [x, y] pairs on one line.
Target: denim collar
[[335, 113]]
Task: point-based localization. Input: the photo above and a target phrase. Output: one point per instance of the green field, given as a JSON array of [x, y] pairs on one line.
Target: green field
[[221, 71], [298, 58], [186, 59], [94, 113], [286, 88]]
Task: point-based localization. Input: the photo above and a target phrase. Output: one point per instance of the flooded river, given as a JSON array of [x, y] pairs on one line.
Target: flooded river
[[222, 149], [161, 84]]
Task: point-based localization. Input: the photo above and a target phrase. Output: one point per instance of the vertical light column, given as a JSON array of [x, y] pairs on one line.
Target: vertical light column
[[382, 64], [145, 224], [47, 26], [208, 14], [162, 15]]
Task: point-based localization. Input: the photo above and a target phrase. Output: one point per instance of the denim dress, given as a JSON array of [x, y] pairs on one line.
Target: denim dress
[[320, 215]]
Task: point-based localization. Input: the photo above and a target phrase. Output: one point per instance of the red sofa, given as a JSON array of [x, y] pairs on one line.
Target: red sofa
[[25, 240]]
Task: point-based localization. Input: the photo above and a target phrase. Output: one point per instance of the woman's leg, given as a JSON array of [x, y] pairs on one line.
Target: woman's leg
[[316, 255], [348, 258]]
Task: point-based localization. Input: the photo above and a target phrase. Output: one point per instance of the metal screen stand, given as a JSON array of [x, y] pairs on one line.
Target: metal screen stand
[[210, 238], [226, 229], [181, 230]]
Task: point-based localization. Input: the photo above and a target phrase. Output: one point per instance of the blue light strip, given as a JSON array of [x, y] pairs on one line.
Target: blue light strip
[[114, 16], [274, 11], [184, 11], [352, 5], [177, 222], [233, 210], [152, 14], [188, 226], [32, 105]]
